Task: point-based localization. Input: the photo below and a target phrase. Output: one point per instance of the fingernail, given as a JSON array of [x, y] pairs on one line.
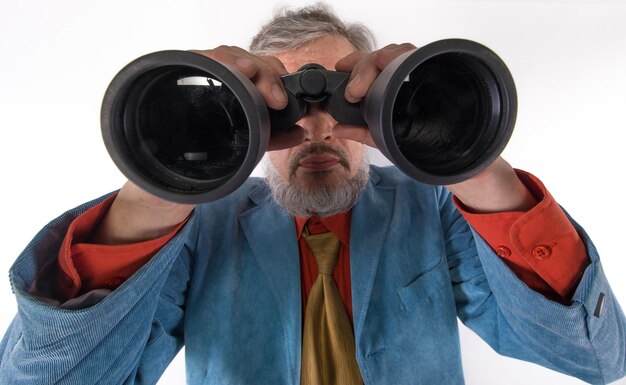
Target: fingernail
[[278, 94], [353, 83]]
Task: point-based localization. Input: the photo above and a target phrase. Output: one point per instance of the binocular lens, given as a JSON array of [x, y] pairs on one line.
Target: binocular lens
[[186, 127], [445, 114], [190, 129]]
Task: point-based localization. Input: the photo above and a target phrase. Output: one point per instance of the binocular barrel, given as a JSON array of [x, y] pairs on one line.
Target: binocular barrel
[[189, 129]]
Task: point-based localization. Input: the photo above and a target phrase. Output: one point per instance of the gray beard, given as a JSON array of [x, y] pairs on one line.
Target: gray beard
[[319, 200]]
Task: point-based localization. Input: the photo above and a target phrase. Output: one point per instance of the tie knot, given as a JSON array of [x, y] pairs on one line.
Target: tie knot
[[325, 248]]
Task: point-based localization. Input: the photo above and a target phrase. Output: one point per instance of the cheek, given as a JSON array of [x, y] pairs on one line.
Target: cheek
[[356, 152], [280, 160]]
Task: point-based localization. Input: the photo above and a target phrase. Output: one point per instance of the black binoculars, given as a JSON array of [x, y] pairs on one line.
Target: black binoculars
[[188, 129]]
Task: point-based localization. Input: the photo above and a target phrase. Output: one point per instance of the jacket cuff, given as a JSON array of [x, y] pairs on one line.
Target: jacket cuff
[[540, 245]]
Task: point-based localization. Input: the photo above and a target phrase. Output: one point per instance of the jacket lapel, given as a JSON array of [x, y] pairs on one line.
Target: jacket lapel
[[370, 223], [271, 234]]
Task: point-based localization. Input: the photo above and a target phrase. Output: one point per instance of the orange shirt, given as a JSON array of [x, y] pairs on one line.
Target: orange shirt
[[340, 226], [534, 253]]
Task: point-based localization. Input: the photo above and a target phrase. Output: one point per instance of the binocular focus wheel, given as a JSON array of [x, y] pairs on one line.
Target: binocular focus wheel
[[189, 129]]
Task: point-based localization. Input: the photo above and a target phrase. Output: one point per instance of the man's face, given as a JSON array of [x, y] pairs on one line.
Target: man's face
[[322, 159]]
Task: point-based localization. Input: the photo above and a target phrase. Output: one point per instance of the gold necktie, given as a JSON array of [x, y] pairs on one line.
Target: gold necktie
[[328, 350]]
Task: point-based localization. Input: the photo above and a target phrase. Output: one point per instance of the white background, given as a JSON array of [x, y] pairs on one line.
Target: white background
[[568, 59]]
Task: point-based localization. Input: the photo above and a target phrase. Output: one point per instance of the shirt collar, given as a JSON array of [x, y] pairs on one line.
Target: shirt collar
[[338, 224]]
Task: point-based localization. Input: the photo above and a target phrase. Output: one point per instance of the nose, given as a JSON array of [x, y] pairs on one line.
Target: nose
[[317, 124]]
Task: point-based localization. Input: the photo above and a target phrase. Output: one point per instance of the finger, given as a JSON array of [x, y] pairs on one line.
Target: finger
[[361, 78], [286, 139], [276, 64], [270, 85], [367, 69], [357, 133], [347, 63], [268, 81], [363, 74], [235, 57], [390, 53], [264, 71]]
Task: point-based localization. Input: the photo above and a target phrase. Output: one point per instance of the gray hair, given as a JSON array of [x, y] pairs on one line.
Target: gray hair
[[288, 30]]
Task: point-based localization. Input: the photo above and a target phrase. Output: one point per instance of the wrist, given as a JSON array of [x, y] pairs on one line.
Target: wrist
[[137, 216], [497, 189]]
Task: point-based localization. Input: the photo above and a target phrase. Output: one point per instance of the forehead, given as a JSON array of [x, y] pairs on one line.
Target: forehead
[[325, 51]]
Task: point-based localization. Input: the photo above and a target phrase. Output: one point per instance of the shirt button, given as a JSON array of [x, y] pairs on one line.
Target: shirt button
[[503, 251], [542, 252]]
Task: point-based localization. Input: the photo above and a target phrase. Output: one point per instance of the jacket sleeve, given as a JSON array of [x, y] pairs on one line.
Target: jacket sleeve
[[586, 339], [129, 337]]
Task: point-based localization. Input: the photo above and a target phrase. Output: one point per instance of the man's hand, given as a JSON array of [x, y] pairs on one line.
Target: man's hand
[[495, 189], [364, 68], [265, 73], [136, 216]]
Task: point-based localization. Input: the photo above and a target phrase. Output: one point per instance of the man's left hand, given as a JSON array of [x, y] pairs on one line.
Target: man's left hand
[[364, 68], [495, 189]]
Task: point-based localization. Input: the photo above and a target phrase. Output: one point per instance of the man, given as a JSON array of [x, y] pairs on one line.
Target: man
[[110, 291]]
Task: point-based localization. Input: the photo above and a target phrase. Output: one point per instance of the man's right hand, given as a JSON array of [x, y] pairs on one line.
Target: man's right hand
[[136, 216], [265, 73]]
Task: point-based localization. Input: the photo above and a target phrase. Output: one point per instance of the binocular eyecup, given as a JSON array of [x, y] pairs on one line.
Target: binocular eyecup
[[189, 129]]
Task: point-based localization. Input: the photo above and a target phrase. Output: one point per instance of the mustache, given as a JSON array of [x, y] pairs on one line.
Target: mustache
[[318, 149]]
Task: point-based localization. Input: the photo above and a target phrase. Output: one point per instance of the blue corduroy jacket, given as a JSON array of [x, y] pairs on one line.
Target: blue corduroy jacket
[[228, 288]]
